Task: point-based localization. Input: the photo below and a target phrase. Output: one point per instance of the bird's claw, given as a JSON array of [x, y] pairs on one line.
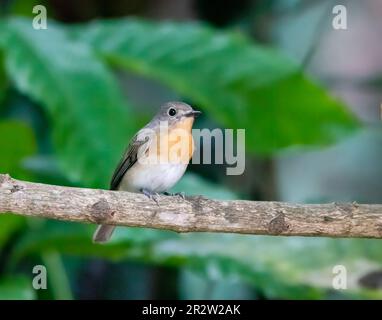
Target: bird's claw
[[179, 194], [151, 195]]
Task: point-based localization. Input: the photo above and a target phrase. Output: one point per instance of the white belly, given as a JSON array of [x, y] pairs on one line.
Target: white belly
[[155, 177]]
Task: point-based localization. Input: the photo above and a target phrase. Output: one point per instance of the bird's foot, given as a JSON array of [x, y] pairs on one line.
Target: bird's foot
[[179, 194], [150, 194]]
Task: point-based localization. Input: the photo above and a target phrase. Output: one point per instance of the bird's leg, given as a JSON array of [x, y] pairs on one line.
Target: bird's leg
[[150, 194], [180, 194]]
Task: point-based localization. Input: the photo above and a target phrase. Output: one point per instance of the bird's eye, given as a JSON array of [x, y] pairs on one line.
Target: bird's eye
[[171, 112]]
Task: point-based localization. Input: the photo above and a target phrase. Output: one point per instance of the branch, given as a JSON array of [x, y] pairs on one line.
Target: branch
[[194, 214]]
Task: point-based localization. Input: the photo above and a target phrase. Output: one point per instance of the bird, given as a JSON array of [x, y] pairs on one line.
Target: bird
[[156, 157]]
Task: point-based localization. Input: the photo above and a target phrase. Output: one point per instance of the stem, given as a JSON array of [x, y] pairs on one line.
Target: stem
[[57, 276]]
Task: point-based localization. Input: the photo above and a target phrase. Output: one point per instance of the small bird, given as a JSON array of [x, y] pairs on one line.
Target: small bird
[[156, 157]]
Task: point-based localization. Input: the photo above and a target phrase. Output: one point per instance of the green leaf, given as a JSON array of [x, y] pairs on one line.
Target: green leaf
[[91, 123], [16, 144], [240, 84], [59, 282], [16, 288]]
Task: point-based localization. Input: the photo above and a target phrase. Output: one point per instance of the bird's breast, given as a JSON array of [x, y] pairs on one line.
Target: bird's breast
[[155, 177], [164, 161]]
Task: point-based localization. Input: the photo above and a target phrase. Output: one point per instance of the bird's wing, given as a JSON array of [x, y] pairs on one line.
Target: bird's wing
[[129, 158]]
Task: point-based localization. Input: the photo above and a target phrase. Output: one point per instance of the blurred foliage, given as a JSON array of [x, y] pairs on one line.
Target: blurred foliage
[[3, 80], [16, 288], [67, 72], [280, 268], [242, 85], [16, 144], [9, 225], [90, 120], [23, 7], [83, 99]]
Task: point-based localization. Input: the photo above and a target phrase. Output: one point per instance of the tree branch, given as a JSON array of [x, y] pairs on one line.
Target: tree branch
[[194, 214]]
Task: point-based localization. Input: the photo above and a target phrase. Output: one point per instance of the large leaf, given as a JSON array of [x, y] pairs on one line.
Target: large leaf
[[91, 124], [241, 84]]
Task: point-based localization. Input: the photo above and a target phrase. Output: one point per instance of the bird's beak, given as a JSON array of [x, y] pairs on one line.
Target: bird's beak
[[193, 113]]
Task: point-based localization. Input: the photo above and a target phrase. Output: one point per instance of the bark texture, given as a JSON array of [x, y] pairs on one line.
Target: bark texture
[[194, 214]]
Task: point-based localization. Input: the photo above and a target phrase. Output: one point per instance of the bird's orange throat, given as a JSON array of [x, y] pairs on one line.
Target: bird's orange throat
[[175, 144]]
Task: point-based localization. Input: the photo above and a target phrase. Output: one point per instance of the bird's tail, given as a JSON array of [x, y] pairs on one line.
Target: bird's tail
[[103, 233]]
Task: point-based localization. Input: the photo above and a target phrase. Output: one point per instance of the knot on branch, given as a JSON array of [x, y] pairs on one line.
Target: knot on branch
[[198, 203], [4, 178], [346, 208], [10, 184], [278, 224], [101, 211]]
